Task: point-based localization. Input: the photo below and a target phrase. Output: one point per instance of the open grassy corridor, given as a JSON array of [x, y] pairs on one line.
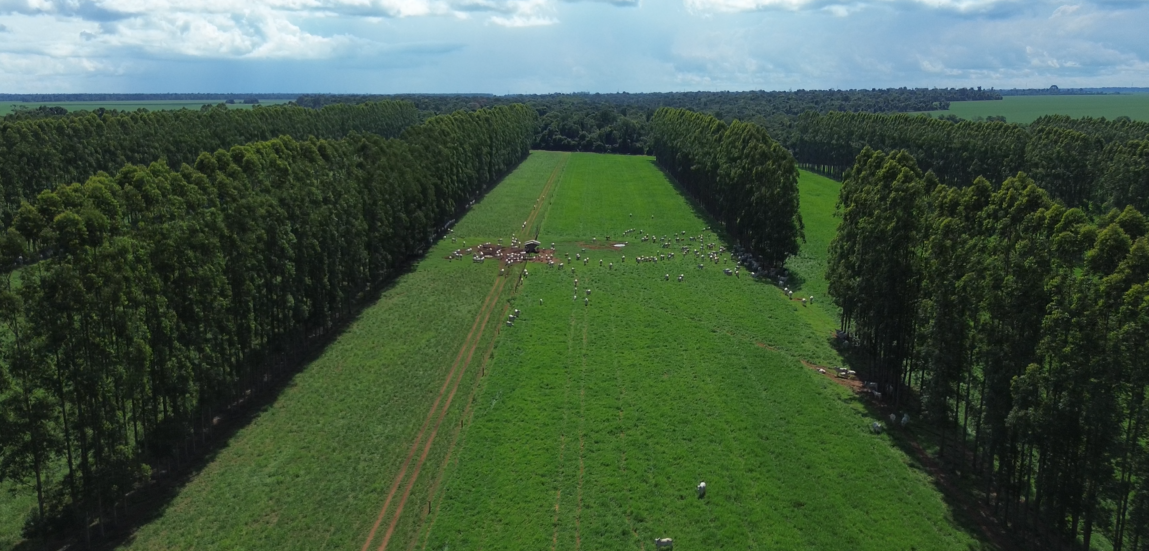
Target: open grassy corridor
[[597, 421], [592, 424]]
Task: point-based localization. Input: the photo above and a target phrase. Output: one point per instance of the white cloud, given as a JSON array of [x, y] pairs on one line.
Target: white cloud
[[482, 45], [842, 7]]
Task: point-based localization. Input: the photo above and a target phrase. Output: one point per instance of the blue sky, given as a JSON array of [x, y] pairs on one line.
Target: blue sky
[[541, 46]]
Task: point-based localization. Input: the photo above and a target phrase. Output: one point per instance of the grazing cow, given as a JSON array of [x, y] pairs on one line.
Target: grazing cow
[[701, 490], [588, 292], [510, 323], [660, 543], [667, 277], [516, 311], [822, 371], [540, 302], [611, 266], [876, 427], [680, 276], [586, 301], [893, 418], [905, 420]]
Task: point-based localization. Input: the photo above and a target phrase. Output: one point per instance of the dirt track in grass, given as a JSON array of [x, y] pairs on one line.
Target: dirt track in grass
[[469, 345]]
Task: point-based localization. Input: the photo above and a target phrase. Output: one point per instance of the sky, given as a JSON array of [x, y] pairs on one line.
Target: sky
[[546, 46]]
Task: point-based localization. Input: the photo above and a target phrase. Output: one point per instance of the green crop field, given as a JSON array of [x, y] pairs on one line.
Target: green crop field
[[590, 425], [150, 105], [1026, 109]]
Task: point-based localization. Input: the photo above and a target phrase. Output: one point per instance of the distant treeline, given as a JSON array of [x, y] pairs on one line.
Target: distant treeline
[[1020, 325], [172, 293], [57, 98], [620, 123], [43, 153], [742, 177], [1093, 163]]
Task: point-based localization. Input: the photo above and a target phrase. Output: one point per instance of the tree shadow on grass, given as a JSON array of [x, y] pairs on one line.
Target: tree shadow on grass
[[794, 280], [967, 511], [151, 501]]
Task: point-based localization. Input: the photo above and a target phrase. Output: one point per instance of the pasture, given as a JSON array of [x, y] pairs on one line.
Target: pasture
[[150, 105], [430, 424], [1026, 109], [597, 420]]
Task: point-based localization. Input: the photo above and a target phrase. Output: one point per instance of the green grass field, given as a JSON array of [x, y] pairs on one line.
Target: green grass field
[[598, 420], [590, 425], [152, 105], [1026, 109]]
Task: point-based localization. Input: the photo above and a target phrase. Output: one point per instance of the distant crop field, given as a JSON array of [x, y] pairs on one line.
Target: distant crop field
[[157, 105], [1026, 109]]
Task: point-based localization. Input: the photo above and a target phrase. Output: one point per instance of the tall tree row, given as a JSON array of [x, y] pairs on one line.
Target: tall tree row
[[43, 153], [742, 177], [1019, 327], [1089, 163], [171, 293]]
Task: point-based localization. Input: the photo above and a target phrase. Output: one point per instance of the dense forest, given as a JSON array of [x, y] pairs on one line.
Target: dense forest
[[1022, 324], [172, 293], [42, 153], [741, 176], [620, 123], [1090, 163], [58, 98]]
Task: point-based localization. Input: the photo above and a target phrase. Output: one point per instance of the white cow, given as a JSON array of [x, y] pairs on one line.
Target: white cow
[[660, 543], [701, 490]]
